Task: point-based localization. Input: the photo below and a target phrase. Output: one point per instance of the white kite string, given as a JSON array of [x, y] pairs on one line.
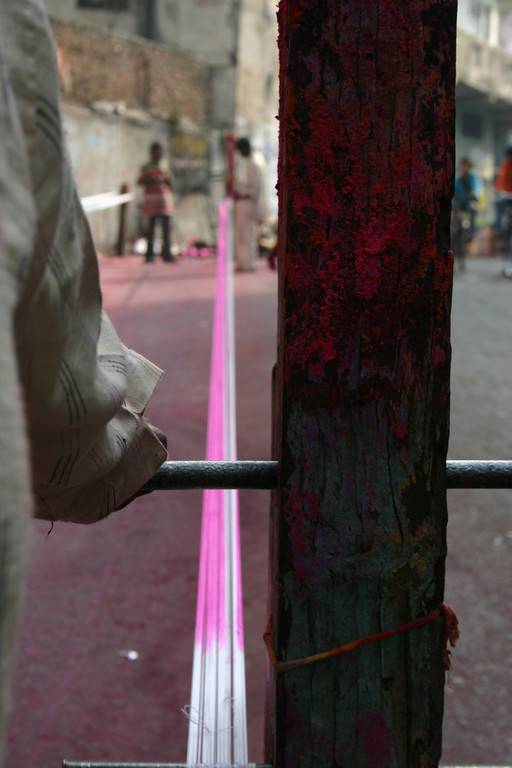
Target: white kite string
[[217, 711]]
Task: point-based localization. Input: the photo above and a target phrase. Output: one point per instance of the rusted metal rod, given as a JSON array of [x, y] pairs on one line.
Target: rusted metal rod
[[262, 475], [176, 475], [479, 474]]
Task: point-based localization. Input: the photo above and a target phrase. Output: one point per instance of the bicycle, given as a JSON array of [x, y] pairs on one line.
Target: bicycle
[[462, 233]]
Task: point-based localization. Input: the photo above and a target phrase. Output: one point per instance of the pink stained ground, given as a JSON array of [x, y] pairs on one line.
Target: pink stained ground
[[130, 583]]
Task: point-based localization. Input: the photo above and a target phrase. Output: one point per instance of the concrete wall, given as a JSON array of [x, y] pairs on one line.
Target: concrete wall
[[100, 65], [106, 151], [236, 39], [481, 18], [121, 20], [484, 67], [257, 90], [205, 27], [229, 84], [120, 93]]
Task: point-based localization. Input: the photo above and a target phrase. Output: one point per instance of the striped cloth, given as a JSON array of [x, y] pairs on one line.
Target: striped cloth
[[74, 444]]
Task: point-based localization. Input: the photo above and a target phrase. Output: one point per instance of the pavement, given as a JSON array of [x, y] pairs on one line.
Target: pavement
[[105, 649], [478, 701]]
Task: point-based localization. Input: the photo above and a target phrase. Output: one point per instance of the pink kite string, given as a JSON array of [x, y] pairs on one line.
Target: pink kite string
[[217, 710], [208, 620]]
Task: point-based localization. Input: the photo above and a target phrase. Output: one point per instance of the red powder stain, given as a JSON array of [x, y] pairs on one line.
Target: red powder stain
[[377, 739], [439, 356], [324, 196], [369, 272], [316, 371], [428, 253], [401, 430]]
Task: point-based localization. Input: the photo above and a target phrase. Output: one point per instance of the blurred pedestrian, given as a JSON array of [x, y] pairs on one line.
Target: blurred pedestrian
[[503, 188], [467, 191], [503, 219], [248, 207], [75, 445], [157, 203]]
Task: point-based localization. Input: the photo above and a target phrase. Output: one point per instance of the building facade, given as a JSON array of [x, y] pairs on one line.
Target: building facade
[[160, 47], [484, 87], [236, 39], [235, 42]]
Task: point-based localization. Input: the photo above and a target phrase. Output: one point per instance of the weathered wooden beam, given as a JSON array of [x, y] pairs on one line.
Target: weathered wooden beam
[[362, 383]]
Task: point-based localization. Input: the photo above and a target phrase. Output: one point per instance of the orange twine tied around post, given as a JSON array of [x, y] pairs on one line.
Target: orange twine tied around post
[[450, 635]]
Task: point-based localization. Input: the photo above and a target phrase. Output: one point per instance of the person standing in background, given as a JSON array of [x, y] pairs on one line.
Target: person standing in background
[[503, 188], [503, 205], [467, 191], [157, 203], [248, 207]]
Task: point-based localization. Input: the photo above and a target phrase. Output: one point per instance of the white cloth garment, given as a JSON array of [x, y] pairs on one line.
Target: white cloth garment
[[248, 212], [74, 444]]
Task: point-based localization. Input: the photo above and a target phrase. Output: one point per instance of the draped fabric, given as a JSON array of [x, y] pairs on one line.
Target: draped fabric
[[74, 442], [84, 392]]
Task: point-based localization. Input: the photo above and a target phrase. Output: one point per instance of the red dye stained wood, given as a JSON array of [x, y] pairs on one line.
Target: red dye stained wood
[[362, 383]]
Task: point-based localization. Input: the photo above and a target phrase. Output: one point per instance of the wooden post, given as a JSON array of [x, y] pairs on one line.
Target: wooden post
[[123, 222], [362, 384]]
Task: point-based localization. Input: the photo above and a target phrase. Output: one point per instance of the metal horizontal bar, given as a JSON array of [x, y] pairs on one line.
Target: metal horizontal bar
[[178, 475], [479, 474], [262, 475]]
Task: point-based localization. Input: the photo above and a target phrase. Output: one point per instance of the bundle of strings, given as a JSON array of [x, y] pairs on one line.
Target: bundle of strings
[[217, 712]]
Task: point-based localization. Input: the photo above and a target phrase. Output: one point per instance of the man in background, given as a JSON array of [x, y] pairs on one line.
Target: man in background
[[248, 207], [157, 204], [467, 191], [503, 190]]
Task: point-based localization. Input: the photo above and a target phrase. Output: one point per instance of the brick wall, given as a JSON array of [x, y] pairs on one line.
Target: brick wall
[[98, 65]]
